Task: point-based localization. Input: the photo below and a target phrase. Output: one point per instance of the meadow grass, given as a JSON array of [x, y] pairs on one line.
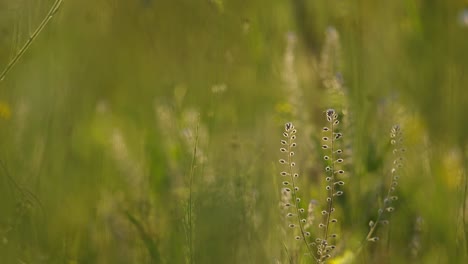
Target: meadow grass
[[147, 132]]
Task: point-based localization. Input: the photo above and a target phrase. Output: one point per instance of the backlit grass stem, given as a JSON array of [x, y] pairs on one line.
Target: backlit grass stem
[[324, 244], [55, 7], [396, 141], [296, 212]]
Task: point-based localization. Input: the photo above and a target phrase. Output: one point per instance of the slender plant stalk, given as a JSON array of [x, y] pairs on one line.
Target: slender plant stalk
[[290, 135], [23, 191], [150, 243], [324, 245], [190, 202], [55, 7], [465, 223], [287, 254], [464, 197], [332, 191], [379, 218], [396, 141]]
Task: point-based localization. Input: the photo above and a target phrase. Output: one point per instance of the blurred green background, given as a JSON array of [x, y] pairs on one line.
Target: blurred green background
[[100, 118]]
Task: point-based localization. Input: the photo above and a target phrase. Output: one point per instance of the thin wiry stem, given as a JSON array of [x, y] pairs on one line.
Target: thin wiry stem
[[396, 140], [23, 191], [289, 133], [190, 203], [332, 190], [150, 243], [290, 260], [464, 197], [294, 196], [380, 213], [324, 248], [55, 7]]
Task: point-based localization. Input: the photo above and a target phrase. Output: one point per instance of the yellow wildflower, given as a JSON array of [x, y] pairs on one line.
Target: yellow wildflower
[[5, 111]]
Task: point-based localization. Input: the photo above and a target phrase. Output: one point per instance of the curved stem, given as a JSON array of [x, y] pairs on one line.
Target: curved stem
[[55, 7]]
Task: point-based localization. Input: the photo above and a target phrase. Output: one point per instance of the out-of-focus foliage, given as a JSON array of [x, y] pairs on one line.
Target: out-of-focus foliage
[[98, 127]]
